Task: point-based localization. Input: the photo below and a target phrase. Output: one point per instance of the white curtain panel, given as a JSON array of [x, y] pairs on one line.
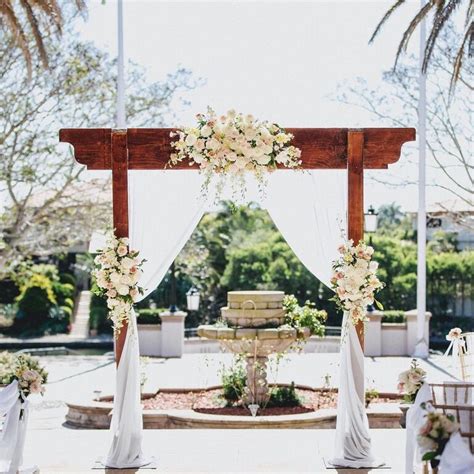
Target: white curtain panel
[[164, 209], [310, 210], [12, 436]]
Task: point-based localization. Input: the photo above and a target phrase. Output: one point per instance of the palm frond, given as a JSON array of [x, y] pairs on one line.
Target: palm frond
[[422, 13], [35, 28], [387, 15], [439, 21], [17, 32], [467, 38]]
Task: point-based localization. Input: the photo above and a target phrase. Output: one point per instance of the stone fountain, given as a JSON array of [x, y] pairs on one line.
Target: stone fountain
[[255, 328]]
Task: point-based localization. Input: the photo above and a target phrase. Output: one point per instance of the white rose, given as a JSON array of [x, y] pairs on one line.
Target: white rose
[[190, 140], [206, 131], [200, 144], [122, 290], [213, 144], [115, 278], [263, 160], [127, 263]]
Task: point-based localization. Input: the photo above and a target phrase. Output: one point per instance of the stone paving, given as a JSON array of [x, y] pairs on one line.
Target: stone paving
[[74, 378]]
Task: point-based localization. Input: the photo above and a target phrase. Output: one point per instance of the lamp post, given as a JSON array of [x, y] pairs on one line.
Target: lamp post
[[370, 222], [193, 299], [370, 226], [173, 297]]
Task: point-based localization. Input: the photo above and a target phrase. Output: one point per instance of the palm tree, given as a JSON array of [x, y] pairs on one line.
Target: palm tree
[[20, 18], [443, 13]]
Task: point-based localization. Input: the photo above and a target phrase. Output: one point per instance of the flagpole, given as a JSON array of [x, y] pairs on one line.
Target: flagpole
[[121, 114], [421, 347]]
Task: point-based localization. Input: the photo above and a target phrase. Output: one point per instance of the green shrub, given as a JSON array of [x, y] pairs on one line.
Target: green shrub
[[304, 316], [35, 302], [284, 397], [68, 278], [393, 316], [63, 292], [149, 315], [98, 319], [233, 383]]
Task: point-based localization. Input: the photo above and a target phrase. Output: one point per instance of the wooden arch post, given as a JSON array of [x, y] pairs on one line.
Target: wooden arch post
[[322, 148]]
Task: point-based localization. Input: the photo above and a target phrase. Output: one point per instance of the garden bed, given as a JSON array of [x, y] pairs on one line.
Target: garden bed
[[212, 402]]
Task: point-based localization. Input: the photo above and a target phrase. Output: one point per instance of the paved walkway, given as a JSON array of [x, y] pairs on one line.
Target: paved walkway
[[55, 448], [208, 451]]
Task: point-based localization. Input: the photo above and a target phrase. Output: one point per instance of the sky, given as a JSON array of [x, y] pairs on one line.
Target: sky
[[279, 60]]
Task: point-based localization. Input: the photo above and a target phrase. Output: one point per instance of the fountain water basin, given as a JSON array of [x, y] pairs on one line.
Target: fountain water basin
[[246, 313]]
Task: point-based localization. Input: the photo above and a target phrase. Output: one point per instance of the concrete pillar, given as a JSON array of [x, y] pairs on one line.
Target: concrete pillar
[[373, 334], [412, 335], [172, 333]]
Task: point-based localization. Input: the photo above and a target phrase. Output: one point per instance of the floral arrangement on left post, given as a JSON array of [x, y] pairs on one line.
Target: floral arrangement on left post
[[117, 271]]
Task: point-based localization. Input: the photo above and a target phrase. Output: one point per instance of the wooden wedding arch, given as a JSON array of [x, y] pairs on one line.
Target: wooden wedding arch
[[322, 148]]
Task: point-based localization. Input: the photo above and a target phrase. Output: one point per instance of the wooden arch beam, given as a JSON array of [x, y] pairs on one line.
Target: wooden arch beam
[[322, 148]]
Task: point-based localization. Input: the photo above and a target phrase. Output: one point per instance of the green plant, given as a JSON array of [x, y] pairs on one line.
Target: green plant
[[234, 381], [371, 394], [68, 278], [304, 316], [284, 397], [35, 302], [393, 316], [149, 315]]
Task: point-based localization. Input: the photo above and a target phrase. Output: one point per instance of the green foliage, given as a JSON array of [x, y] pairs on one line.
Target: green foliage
[[149, 316], [233, 381], [393, 316], [371, 394], [284, 397], [35, 301], [98, 314], [304, 316], [68, 278]]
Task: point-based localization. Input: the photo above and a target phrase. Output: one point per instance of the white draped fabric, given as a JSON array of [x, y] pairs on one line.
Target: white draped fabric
[[309, 208], [164, 209], [414, 421], [353, 445], [457, 457], [12, 436]]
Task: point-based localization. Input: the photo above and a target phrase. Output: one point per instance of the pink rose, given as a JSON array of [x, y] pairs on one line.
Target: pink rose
[[122, 250], [36, 387], [133, 270], [111, 293], [133, 293]]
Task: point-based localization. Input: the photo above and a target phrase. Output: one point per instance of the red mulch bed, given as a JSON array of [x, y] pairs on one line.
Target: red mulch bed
[[211, 402]]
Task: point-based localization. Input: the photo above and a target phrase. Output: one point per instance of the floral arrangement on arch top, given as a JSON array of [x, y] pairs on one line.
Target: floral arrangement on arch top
[[355, 280], [117, 271], [233, 144]]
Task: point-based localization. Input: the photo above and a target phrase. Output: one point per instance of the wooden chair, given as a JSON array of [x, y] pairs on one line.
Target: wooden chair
[[466, 357], [456, 398]]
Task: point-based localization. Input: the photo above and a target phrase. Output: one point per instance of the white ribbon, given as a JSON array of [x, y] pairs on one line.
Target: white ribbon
[[456, 344], [12, 438]]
